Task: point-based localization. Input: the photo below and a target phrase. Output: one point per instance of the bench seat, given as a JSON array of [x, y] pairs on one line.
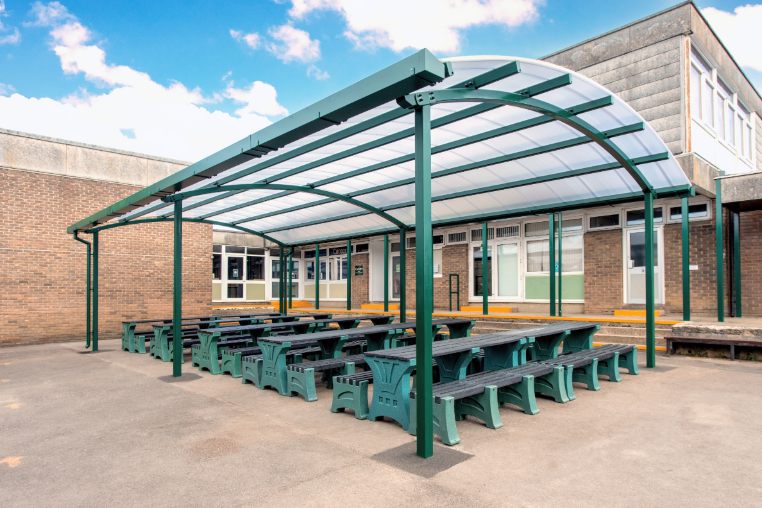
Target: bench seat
[[481, 395], [350, 391], [300, 377], [587, 365]]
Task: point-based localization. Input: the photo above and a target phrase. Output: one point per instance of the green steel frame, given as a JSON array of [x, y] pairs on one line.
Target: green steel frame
[[88, 290], [735, 246], [686, 258], [719, 244], [402, 82], [552, 263], [560, 263]]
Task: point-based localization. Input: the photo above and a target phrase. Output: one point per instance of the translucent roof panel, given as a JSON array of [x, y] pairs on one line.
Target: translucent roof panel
[[356, 176]]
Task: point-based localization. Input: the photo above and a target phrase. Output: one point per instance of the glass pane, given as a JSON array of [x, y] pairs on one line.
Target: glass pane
[[437, 261], [216, 266], [636, 217], [508, 270], [536, 228], [695, 84], [235, 250], [694, 212], [707, 99], [255, 268], [343, 275], [604, 221], [310, 265], [235, 268], [275, 268], [255, 251], [295, 269], [235, 290], [638, 249], [478, 288], [572, 260], [323, 270], [216, 248], [538, 256]]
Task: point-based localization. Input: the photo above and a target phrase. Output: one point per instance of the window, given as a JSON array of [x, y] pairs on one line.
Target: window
[[695, 212], [410, 242], [437, 262], [437, 240], [361, 247], [216, 266], [476, 234], [610, 221], [456, 237], [637, 217], [538, 256], [507, 231], [536, 229], [255, 267], [231, 249], [477, 269]]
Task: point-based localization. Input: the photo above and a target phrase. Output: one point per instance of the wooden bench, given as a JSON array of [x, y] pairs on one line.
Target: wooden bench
[[711, 340], [300, 377]]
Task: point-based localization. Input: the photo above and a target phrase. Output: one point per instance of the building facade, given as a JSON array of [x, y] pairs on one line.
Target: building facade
[[670, 67], [673, 70]]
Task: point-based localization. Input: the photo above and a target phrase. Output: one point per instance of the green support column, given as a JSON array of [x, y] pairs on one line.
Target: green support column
[[95, 291], [552, 262], [424, 287], [282, 284], [650, 317], [349, 274], [719, 251], [88, 255], [686, 260], [485, 270], [560, 263], [735, 217], [290, 278], [386, 271], [403, 277], [177, 293], [317, 276]]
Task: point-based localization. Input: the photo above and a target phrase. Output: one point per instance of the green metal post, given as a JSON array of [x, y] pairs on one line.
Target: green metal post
[[177, 293], [552, 262], [424, 279], [403, 277], [317, 276], [485, 270], [735, 216], [88, 254], [282, 279], [290, 278], [686, 260], [349, 274], [95, 291], [650, 316], [560, 263], [386, 271], [719, 251]]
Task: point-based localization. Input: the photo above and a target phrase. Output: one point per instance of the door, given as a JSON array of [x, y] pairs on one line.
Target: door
[[275, 278], [234, 274], [396, 276], [508, 270], [635, 277]]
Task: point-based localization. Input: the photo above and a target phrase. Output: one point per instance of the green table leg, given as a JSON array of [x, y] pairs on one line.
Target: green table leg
[[381, 340], [273, 366], [580, 340], [454, 367], [460, 330], [346, 325], [391, 389], [206, 354], [546, 347], [128, 336], [504, 356]]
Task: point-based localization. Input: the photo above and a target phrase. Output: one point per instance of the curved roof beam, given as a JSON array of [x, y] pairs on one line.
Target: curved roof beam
[[544, 108], [189, 219], [284, 187]]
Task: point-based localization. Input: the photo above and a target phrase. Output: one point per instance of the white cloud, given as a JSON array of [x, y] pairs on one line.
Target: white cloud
[[434, 24], [6, 89], [8, 35], [252, 40], [315, 72], [739, 31], [133, 111], [290, 44]]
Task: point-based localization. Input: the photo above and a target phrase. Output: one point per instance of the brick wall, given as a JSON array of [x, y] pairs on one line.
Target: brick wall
[[603, 271], [360, 283], [454, 260], [43, 279], [751, 263]]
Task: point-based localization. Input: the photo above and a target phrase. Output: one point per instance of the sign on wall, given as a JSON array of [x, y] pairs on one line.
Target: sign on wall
[[359, 269]]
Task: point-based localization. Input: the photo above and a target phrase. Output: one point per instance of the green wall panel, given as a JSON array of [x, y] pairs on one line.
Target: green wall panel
[[536, 287]]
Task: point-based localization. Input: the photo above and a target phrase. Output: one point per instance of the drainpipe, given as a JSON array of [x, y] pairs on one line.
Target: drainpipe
[[88, 249]]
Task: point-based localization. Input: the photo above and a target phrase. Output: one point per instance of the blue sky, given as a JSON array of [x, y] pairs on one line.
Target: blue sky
[[180, 79]]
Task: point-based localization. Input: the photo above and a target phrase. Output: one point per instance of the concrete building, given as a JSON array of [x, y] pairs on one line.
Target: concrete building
[[670, 67]]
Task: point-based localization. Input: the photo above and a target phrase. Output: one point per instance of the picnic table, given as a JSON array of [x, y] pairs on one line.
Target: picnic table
[[392, 368], [274, 349], [253, 326], [129, 342]]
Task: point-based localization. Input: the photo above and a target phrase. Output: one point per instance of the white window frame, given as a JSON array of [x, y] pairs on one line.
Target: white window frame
[[672, 204], [447, 234], [603, 214]]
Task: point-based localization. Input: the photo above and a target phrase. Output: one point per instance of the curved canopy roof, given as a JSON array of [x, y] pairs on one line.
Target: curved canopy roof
[[344, 167]]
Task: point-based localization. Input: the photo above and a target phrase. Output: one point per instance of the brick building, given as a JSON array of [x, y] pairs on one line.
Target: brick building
[[670, 67]]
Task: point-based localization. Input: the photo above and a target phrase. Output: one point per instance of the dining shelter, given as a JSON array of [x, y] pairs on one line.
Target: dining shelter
[[426, 142]]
